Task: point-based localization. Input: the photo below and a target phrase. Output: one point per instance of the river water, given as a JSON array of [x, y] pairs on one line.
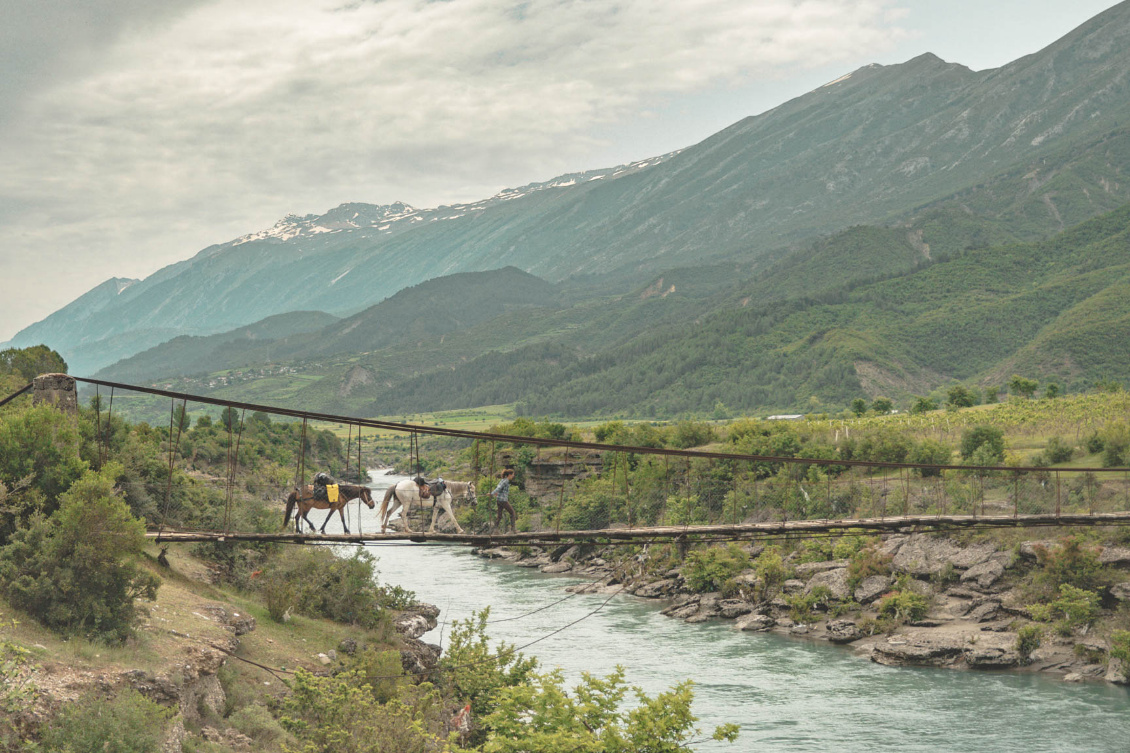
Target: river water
[[786, 694]]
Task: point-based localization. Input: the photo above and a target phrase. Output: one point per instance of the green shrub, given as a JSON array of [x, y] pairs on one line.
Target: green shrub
[[803, 606], [1071, 562], [543, 717], [317, 583], [989, 437], [1028, 639], [1075, 608], [1116, 445], [1120, 645], [340, 714], [74, 571], [475, 671], [709, 569], [258, 724], [1058, 451], [930, 452], [771, 572], [903, 606], [128, 723], [866, 562], [40, 444], [1094, 443]]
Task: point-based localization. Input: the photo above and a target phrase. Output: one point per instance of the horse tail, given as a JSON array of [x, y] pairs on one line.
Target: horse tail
[[390, 493], [291, 500]]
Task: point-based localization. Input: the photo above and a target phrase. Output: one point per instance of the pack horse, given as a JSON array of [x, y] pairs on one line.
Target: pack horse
[[309, 497], [402, 495]]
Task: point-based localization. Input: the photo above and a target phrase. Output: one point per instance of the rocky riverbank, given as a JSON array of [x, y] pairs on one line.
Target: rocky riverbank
[[975, 601]]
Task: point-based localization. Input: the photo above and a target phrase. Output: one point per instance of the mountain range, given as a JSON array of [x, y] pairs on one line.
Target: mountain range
[[889, 173]]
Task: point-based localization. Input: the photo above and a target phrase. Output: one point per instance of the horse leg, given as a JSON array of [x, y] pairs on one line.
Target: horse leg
[[435, 512], [329, 515], [341, 512], [306, 517], [405, 508], [450, 514]]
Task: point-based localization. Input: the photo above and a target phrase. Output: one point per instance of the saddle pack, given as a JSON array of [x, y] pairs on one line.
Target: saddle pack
[[320, 491]]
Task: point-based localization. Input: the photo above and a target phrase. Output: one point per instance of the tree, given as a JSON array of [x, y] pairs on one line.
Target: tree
[[859, 406], [1022, 386], [991, 438], [40, 444], [882, 406], [29, 363], [1051, 391], [960, 397], [180, 419], [74, 571], [542, 717], [229, 418], [923, 405]]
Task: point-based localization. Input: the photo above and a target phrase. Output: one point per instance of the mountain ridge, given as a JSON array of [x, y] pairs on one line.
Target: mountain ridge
[[963, 158]]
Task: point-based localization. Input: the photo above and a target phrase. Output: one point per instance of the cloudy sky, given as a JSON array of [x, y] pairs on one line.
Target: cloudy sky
[[134, 133]]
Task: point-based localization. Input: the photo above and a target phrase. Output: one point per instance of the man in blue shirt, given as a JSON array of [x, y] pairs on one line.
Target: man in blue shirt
[[501, 495]]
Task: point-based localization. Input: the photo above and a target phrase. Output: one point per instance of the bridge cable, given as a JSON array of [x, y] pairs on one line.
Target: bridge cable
[[15, 394]]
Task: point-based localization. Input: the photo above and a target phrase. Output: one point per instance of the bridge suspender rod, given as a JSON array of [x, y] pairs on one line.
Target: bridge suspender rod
[[172, 452], [233, 465], [109, 425], [98, 422], [362, 477]]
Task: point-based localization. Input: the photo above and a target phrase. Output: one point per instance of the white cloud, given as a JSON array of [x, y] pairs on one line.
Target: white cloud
[[224, 117]]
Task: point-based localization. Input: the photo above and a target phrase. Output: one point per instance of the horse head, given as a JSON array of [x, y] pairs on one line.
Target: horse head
[[367, 497]]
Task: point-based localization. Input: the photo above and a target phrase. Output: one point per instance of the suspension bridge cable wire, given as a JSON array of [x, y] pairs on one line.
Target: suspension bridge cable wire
[[15, 394], [548, 442]]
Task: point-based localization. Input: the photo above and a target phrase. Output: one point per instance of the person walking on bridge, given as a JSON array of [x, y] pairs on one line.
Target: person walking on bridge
[[501, 495]]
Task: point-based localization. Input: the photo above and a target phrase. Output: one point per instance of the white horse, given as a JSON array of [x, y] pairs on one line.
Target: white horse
[[404, 493]]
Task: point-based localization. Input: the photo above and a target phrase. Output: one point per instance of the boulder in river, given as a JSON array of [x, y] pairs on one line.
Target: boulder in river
[[871, 588], [755, 622], [843, 631], [835, 581]]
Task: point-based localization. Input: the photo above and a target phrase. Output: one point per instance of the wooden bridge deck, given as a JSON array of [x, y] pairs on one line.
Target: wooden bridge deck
[[798, 528]]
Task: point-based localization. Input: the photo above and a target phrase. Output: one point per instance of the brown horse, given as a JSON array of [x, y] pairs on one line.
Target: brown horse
[[306, 502]]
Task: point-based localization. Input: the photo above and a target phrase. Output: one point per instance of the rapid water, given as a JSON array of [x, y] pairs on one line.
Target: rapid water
[[786, 694]]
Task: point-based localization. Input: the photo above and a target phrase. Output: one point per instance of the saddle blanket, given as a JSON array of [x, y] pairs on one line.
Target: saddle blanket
[[331, 493]]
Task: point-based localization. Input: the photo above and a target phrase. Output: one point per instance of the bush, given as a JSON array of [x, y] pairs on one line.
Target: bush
[[903, 606], [709, 569], [258, 724], [40, 444], [474, 671], [1028, 640], [692, 434], [1058, 451], [1116, 445], [74, 571], [771, 572], [543, 717], [1070, 563], [930, 452], [129, 723], [340, 714], [866, 562], [1075, 608], [1094, 443], [317, 583], [989, 437], [1120, 645], [802, 606]]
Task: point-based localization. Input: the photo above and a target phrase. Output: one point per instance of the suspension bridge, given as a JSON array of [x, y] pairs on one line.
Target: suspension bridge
[[638, 494]]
